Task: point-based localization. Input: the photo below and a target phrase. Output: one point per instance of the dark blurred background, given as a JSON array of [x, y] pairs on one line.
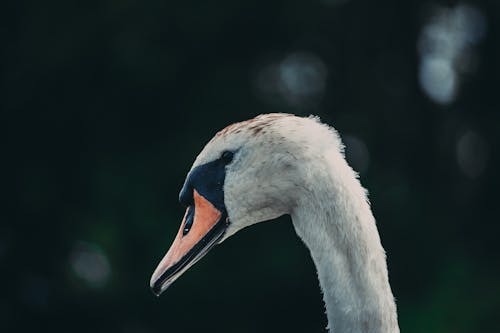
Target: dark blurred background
[[105, 105]]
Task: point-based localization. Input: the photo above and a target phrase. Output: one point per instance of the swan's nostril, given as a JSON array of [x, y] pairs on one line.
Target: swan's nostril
[[189, 220]]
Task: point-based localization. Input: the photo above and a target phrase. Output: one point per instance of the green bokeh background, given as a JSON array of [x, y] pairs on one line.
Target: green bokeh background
[[105, 105]]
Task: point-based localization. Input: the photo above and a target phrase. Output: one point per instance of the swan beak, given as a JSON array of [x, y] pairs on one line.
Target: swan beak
[[196, 236]]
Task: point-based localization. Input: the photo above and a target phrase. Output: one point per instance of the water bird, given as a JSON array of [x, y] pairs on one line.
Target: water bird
[[276, 164]]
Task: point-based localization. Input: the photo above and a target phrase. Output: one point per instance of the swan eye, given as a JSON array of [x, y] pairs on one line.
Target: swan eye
[[227, 157]]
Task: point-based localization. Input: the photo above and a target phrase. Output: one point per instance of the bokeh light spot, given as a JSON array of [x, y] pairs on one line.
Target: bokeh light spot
[[90, 264], [447, 49], [298, 80], [438, 79]]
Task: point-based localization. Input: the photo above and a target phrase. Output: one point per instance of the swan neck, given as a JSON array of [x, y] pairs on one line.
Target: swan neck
[[335, 221]]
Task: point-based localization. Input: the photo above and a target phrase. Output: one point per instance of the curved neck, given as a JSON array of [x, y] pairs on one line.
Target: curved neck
[[335, 221]]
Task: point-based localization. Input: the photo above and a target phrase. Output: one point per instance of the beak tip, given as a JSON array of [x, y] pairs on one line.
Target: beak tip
[[155, 285], [156, 289]]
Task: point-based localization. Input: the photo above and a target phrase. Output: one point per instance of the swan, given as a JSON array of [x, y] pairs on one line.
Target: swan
[[276, 164]]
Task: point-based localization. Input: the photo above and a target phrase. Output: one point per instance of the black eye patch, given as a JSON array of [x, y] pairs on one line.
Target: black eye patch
[[186, 196], [208, 181]]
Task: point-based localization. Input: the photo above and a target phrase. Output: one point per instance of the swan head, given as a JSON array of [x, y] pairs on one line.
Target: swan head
[[246, 174]]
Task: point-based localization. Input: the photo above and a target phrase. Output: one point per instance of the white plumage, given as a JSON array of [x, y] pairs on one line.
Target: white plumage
[[291, 165]]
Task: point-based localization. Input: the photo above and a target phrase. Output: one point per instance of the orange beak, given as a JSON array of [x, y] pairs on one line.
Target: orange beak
[[196, 236]]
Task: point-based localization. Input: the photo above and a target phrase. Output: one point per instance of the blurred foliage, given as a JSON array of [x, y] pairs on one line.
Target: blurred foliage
[[105, 104]]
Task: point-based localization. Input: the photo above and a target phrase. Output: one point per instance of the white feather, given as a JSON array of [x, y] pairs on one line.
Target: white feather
[[291, 165]]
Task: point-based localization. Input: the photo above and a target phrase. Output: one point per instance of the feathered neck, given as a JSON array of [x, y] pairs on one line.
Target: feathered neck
[[334, 219]]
